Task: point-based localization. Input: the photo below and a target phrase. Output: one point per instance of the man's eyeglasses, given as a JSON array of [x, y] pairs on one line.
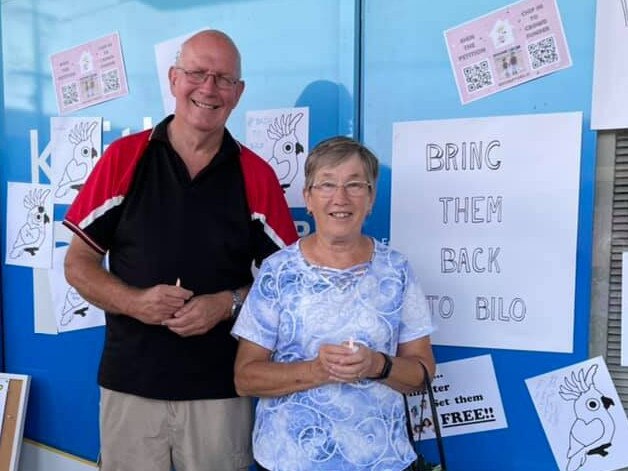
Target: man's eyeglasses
[[198, 77], [353, 188]]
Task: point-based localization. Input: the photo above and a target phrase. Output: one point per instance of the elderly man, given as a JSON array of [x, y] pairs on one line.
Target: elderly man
[[182, 212]]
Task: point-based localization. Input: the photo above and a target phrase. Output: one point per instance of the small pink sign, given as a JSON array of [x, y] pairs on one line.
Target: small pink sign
[[89, 74], [515, 44]]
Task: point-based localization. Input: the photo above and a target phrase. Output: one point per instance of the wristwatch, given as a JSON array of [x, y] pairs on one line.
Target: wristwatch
[[385, 373], [236, 303]]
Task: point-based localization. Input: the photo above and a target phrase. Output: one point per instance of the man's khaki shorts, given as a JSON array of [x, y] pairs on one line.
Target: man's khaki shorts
[[139, 434]]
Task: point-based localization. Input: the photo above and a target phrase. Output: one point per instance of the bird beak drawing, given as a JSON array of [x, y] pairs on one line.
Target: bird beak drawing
[[607, 402]]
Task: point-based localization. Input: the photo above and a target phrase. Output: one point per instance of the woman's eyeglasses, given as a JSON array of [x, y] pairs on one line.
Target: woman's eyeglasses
[[352, 188]]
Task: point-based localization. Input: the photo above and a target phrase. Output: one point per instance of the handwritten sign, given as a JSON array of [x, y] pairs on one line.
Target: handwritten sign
[[487, 211], [467, 400]]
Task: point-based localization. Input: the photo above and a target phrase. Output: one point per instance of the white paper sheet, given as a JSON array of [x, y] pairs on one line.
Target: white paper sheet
[[165, 57], [281, 137], [610, 70], [467, 399], [487, 211], [29, 225], [582, 416], [624, 310], [76, 147], [72, 312], [4, 390]]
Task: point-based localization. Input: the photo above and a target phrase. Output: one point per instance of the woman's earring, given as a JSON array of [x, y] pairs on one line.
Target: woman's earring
[[308, 212]]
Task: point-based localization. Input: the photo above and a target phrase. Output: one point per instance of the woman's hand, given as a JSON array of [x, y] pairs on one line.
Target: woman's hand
[[348, 364]]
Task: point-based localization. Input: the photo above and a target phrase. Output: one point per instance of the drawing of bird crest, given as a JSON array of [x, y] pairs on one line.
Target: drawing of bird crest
[[286, 148], [82, 161], [33, 232], [593, 429]]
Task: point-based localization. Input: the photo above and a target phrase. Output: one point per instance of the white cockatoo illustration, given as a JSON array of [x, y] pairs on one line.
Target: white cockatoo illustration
[[33, 233], [286, 149], [592, 431], [83, 154], [74, 305]]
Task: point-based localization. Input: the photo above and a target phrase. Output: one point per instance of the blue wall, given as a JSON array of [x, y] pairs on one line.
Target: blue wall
[[408, 77], [295, 54]]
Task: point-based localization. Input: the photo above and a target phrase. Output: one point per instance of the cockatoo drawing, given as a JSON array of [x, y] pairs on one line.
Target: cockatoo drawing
[[593, 430], [83, 154], [33, 233], [74, 305], [286, 149]]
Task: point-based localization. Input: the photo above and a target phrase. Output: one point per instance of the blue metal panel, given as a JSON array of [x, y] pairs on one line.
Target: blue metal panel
[[407, 76], [294, 54]]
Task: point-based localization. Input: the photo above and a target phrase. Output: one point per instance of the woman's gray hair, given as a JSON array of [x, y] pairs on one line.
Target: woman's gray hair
[[335, 151]]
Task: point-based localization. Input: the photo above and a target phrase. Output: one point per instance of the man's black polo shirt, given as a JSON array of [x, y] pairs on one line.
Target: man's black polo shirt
[[169, 226]]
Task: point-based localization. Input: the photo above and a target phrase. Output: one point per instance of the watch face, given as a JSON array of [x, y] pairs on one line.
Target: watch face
[[236, 304], [237, 297]]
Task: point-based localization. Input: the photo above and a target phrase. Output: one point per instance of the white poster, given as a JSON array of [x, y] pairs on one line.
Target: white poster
[[75, 148], [487, 211], [467, 400], [72, 312], [610, 70], [4, 390], [165, 57], [624, 310], [582, 417], [29, 225], [281, 137]]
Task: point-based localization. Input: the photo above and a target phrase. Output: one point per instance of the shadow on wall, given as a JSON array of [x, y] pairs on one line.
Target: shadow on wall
[[331, 114], [331, 110]]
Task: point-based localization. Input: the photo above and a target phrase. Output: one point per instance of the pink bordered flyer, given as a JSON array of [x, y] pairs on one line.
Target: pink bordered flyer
[[507, 47], [89, 74]]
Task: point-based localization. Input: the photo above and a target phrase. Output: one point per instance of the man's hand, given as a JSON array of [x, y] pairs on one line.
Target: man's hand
[[200, 314], [155, 305]]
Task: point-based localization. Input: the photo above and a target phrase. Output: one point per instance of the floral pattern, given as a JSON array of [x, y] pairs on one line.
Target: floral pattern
[[293, 308]]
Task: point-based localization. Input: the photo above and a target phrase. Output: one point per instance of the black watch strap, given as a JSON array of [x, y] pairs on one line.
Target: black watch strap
[[385, 373]]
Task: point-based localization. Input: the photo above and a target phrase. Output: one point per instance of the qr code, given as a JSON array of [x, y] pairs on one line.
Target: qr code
[[543, 52], [478, 76], [110, 81], [70, 95]]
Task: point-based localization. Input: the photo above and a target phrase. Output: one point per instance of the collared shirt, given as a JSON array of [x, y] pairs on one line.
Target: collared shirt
[[159, 225]]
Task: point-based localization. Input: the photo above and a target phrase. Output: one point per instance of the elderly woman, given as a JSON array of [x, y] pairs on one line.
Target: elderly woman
[[332, 332]]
